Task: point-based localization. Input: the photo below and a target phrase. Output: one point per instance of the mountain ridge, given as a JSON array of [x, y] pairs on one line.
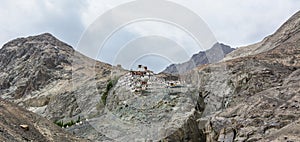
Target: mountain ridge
[[201, 58]]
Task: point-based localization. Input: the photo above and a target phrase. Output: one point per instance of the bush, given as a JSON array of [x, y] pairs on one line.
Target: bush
[[59, 123], [109, 85], [70, 123], [78, 119]]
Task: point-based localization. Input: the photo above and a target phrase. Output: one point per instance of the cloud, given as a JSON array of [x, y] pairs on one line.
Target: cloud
[[100, 30], [147, 47], [148, 29], [233, 22], [244, 22], [24, 18], [95, 8]]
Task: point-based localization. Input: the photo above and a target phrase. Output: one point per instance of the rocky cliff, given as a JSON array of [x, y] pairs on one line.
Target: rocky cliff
[[213, 55]]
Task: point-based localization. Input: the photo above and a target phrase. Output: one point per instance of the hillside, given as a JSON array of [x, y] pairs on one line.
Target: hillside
[[48, 77], [18, 124], [38, 73]]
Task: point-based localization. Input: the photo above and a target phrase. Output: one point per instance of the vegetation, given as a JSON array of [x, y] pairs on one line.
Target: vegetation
[[109, 85], [59, 123], [78, 119], [70, 123]]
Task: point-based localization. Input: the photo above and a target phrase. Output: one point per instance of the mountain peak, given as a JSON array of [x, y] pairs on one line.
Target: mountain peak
[[44, 38], [34, 61], [201, 58]]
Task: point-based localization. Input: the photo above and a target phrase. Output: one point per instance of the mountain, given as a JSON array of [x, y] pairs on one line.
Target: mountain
[[253, 94], [39, 73], [18, 124], [201, 58], [48, 77]]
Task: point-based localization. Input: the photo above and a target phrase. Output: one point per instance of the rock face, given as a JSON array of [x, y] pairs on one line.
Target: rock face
[[255, 96], [213, 55], [18, 124], [48, 77], [28, 64]]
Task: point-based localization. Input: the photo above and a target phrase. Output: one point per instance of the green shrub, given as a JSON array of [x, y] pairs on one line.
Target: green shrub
[[70, 123], [59, 123], [78, 119], [104, 97], [109, 85]]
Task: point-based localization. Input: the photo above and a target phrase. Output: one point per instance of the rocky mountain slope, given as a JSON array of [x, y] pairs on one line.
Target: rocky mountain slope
[[18, 124], [255, 96], [213, 55], [36, 73], [48, 77]]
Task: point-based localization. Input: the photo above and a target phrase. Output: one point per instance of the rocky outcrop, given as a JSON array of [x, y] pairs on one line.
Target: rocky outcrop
[[213, 55], [18, 124], [258, 117], [157, 112]]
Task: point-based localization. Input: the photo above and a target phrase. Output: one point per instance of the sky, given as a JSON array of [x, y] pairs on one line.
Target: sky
[[233, 22]]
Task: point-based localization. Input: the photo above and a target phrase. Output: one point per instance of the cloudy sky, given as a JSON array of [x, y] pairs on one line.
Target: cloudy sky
[[233, 22]]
